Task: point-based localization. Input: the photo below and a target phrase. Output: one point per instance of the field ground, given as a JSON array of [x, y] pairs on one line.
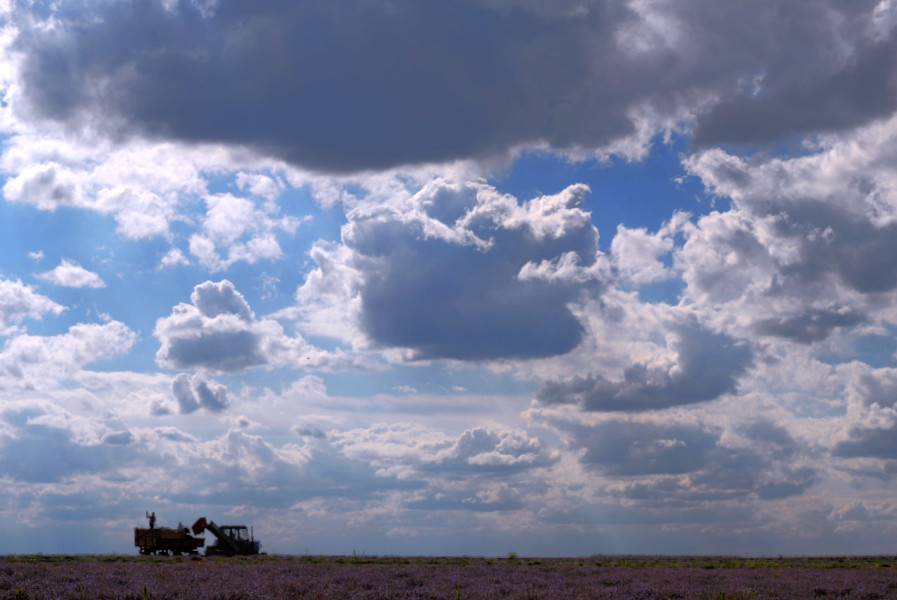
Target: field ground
[[451, 578]]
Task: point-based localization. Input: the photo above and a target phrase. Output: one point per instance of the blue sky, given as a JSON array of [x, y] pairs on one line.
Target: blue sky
[[455, 277]]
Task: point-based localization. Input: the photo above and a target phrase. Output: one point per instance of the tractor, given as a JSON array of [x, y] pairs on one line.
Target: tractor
[[231, 539]]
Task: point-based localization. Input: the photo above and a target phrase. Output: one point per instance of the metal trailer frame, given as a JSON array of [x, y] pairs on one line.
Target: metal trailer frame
[[166, 541]]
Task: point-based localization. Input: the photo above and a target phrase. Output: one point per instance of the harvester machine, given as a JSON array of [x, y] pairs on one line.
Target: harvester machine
[[231, 539]]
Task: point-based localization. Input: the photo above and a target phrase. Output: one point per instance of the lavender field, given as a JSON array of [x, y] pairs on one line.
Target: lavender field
[[382, 578]]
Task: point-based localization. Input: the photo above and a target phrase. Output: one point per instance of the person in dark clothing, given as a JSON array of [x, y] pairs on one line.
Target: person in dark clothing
[[152, 519]]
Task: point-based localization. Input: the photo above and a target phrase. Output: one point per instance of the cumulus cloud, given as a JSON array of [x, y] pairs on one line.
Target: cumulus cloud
[[139, 185], [173, 258], [71, 274], [19, 302], [872, 412], [240, 230], [707, 366], [636, 254], [218, 332], [145, 186], [194, 392], [439, 272], [35, 360], [801, 256]]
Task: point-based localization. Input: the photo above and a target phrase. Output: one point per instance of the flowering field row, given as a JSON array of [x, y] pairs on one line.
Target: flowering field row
[[51, 577]]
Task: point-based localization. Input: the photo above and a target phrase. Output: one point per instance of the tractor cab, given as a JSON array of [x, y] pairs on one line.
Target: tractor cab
[[238, 533]]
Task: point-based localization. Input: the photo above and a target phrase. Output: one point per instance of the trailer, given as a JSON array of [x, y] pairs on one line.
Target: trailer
[[166, 541]]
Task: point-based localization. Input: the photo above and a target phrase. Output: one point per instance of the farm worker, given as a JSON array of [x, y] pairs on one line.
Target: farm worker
[[152, 518]]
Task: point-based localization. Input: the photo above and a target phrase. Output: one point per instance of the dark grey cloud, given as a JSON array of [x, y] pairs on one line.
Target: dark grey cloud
[[340, 85], [870, 442], [709, 365], [44, 454], [447, 301], [194, 392], [654, 456], [791, 104], [758, 471], [118, 438], [353, 84], [812, 326], [215, 399], [227, 351], [855, 248], [767, 435], [308, 430], [876, 388], [633, 448], [182, 388], [446, 297], [796, 483]]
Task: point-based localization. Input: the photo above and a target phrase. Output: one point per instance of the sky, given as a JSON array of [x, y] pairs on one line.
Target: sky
[[553, 277]]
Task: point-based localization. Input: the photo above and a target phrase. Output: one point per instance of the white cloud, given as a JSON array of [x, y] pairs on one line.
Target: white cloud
[[803, 253], [636, 253], [139, 185], [227, 217], [70, 274], [37, 360], [218, 332], [19, 302], [173, 258], [260, 185], [242, 231]]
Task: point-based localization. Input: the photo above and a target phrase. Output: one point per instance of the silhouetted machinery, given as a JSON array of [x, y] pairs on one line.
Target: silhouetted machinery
[[166, 541], [230, 540]]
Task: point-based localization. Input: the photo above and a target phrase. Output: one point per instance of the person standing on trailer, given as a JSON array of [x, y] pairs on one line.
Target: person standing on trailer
[[152, 518]]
